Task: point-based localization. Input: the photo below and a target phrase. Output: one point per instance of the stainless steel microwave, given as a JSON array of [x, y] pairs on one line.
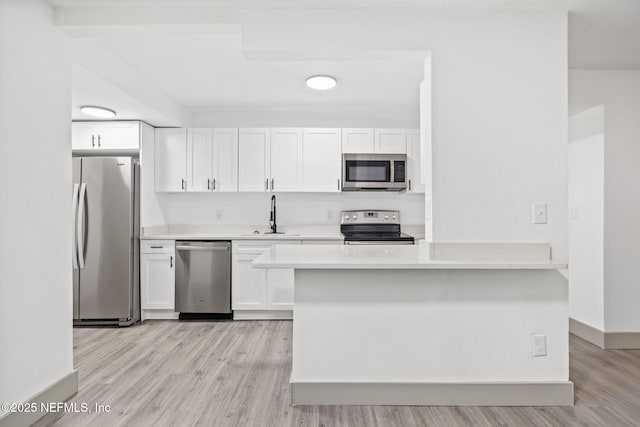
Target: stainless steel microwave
[[374, 172]]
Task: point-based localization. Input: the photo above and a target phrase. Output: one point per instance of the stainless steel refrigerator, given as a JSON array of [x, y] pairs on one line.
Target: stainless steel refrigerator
[[106, 278]]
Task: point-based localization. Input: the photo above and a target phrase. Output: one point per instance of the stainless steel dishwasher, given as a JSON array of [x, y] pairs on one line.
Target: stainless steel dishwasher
[[203, 279]]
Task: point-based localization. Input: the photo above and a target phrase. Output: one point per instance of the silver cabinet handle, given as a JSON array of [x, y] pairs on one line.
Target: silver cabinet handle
[[98, 140], [202, 248], [272, 183], [183, 183], [266, 184], [93, 140], [74, 210], [214, 183], [171, 261], [208, 184], [80, 224], [409, 185], [157, 247]]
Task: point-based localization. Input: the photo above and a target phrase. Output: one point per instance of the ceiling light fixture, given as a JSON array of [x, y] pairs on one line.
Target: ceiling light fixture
[[101, 112], [321, 82]]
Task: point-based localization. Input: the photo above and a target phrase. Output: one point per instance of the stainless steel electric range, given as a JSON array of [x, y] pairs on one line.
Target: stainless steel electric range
[[373, 227]]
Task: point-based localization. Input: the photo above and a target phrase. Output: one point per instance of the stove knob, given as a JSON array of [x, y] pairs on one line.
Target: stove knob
[[346, 217], [386, 217], [393, 217], [355, 216]]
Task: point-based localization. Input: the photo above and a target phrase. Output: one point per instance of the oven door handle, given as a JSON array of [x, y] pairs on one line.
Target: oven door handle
[[383, 242]]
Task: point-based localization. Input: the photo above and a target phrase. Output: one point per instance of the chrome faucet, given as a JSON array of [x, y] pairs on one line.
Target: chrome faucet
[[272, 216]]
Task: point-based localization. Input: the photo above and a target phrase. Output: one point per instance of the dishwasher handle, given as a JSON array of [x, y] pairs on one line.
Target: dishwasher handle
[[203, 248]]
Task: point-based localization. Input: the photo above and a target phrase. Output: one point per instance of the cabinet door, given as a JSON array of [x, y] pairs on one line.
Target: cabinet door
[[249, 286], [171, 160], [253, 159], [119, 135], [82, 136], [286, 145], [157, 281], [280, 289], [225, 160], [390, 141], [357, 141], [200, 159], [321, 160], [413, 162]]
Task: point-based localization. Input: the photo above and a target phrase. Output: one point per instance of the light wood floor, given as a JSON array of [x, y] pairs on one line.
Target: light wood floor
[[169, 373]]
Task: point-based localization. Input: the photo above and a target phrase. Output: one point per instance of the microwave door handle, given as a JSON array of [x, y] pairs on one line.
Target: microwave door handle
[[80, 224], [74, 212]]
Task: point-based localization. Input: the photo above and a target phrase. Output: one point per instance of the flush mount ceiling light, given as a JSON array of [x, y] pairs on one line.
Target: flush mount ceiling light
[[321, 82], [101, 112]]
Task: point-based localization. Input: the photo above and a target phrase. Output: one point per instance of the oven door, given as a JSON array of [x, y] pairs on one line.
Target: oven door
[[373, 172]]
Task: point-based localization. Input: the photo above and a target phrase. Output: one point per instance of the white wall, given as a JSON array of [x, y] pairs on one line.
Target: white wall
[[499, 106], [499, 131], [293, 208], [618, 91], [35, 156], [586, 216], [348, 116]]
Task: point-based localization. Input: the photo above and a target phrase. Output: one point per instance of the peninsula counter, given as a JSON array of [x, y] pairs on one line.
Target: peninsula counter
[[394, 325]]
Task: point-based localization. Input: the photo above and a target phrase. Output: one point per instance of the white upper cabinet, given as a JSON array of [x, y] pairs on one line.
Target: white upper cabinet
[[286, 154], [413, 162], [321, 163], [105, 135], [212, 159], [225, 160], [390, 141], [83, 136], [356, 140], [119, 135], [199, 159], [254, 150], [171, 160]]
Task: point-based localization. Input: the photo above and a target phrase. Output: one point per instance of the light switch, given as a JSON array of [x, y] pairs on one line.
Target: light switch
[[539, 213]]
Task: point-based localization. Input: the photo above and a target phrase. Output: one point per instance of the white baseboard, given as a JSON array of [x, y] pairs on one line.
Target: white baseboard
[[605, 340], [433, 394], [60, 391], [262, 314], [586, 332]]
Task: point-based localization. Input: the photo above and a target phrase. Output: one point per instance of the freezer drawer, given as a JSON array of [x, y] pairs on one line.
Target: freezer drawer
[[203, 277]]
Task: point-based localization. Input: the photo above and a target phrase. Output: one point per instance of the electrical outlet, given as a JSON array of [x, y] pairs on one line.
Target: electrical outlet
[[539, 345], [539, 213], [219, 216]]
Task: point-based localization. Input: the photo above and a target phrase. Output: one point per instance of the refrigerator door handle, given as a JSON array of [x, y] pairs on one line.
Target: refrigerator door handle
[[80, 224], [74, 212]]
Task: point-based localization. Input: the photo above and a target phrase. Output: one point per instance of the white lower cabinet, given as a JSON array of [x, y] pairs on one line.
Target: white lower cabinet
[[258, 293], [249, 287], [157, 279]]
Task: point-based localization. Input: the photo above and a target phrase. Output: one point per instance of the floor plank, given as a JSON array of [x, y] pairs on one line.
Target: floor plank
[[169, 373]]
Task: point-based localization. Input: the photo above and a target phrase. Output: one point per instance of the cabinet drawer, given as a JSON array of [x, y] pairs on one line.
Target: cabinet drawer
[[157, 246], [258, 246]]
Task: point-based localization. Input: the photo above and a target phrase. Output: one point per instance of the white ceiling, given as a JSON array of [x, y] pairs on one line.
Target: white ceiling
[[210, 71], [191, 52]]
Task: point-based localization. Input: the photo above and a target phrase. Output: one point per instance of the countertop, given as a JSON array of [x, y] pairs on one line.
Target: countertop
[[394, 257], [246, 232]]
